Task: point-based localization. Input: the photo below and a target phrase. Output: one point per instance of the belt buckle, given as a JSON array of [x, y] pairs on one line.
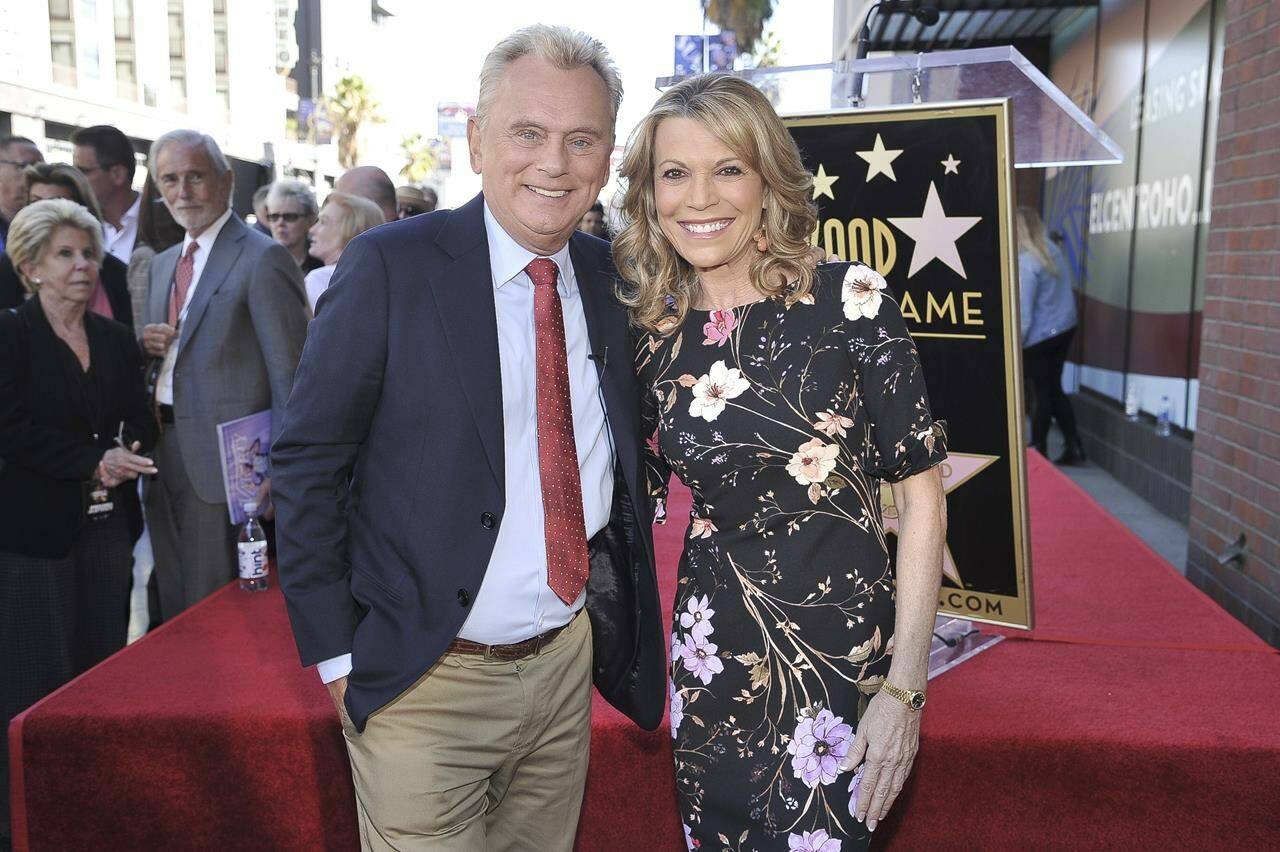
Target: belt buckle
[[488, 653]]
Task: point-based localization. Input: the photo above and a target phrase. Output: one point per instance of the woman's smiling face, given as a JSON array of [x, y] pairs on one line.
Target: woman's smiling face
[[708, 199]]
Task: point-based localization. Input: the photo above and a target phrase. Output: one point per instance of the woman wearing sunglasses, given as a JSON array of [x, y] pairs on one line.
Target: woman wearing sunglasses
[[291, 211]]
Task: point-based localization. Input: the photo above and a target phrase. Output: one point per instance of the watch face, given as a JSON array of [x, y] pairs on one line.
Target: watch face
[[917, 700]]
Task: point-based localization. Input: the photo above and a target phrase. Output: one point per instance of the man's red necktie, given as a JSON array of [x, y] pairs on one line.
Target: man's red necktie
[[182, 282], [567, 564]]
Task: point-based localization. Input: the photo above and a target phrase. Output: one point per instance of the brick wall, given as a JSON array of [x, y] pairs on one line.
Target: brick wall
[[1235, 484]]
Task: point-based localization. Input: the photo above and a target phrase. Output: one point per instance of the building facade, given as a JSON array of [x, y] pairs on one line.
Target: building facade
[[145, 66]]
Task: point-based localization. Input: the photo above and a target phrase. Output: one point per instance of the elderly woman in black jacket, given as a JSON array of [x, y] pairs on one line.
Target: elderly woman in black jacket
[[73, 418], [59, 180]]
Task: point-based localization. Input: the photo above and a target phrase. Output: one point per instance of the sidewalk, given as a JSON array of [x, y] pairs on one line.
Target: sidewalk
[[1163, 534]]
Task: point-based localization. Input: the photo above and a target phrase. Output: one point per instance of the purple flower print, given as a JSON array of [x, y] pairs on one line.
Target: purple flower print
[[812, 841], [700, 658], [677, 707], [817, 747], [689, 839], [854, 791], [697, 617]]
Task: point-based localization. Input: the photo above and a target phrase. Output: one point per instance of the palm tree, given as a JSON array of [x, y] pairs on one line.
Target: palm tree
[[745, 17], [351, 106], [420, 158]]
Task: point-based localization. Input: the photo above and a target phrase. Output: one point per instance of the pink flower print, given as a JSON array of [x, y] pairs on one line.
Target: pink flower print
[[860, 292], [677, 707], [813, 461], [719, 327], [854, 791], [701, 528], [831, 424], [812, 841], [817, 747], [700, 658], [697, 617]]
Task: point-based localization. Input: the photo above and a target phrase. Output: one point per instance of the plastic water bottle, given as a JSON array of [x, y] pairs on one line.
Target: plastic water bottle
[[1162, 419], [251, 548], [1131, 402]]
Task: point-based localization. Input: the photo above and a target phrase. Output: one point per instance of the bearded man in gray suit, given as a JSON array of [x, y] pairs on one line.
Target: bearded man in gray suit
[[227, 316]]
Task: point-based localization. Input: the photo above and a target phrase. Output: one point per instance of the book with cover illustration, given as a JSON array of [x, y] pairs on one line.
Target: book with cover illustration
[[245, 444]]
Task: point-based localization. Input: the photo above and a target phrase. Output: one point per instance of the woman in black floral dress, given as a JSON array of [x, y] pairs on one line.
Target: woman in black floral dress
[[782, 396]]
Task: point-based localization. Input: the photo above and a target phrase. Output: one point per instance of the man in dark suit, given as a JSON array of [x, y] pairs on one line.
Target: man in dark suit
[[227, 314], [459, 472]]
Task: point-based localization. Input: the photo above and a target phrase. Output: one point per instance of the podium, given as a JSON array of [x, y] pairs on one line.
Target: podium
[[1048, 128], [990, 110]]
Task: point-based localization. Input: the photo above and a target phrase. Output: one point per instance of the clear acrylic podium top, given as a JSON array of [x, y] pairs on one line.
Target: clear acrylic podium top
[[1048, 129]]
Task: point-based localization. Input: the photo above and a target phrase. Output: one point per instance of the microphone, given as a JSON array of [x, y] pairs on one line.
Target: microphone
[[601, 360]]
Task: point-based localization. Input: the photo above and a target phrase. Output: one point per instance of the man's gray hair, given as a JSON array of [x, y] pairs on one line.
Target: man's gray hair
[[189, 138], [283, 190], [564, 48]]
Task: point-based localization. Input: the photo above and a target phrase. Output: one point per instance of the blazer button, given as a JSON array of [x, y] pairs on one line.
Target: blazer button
[[463, 597], [487, 520]]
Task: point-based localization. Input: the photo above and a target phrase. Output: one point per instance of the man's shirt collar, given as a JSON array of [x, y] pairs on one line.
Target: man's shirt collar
[[508, 259]]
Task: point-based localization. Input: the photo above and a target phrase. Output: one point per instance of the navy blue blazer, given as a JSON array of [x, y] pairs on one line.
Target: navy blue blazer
[[387, 473]]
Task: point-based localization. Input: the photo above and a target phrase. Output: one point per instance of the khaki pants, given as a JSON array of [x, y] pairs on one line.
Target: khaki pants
[[480, 754]]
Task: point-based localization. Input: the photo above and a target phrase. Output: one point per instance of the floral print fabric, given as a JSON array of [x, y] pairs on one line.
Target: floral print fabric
[[783, 422]]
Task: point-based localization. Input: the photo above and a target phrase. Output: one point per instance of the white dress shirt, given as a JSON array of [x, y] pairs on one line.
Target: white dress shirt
[[164, 383], [119, 241], [514, 602]]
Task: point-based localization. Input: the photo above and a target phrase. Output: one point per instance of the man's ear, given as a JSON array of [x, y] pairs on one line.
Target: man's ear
[[473, 144], [120, 175]]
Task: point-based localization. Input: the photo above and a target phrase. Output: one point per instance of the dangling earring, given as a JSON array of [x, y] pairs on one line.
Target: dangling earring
[[762, 242]]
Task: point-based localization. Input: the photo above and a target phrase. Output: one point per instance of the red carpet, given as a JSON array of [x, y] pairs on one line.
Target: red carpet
[[1139, 715]]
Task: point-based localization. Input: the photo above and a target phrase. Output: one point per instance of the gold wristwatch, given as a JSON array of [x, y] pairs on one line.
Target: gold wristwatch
[[910, 697]]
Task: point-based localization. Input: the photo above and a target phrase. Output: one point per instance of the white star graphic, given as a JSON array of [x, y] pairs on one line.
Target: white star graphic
[[951, 166], [822, 184], [880, 160], [935, 234], [958, 469]]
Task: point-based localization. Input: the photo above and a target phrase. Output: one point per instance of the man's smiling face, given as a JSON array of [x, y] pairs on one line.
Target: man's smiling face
[[543, 151]]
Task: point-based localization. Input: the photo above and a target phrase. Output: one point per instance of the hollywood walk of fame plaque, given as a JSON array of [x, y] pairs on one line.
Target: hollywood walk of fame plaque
[[923, 194]]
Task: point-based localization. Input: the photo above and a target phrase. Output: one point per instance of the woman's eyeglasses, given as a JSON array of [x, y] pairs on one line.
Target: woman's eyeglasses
[[284, 217]]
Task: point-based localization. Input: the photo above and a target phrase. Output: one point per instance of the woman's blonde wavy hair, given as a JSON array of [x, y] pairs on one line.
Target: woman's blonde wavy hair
[[656, 281]]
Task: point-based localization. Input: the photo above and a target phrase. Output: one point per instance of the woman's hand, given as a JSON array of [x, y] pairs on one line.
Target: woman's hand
[[888, 736], [119, 465]]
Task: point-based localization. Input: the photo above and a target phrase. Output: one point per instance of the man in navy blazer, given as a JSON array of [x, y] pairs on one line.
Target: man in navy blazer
[[459, 473]]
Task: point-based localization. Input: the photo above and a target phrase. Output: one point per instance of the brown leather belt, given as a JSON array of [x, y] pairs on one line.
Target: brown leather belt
[[508, 653]]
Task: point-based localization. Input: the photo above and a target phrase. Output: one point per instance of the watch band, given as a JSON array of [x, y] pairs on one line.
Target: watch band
[[910, 697]]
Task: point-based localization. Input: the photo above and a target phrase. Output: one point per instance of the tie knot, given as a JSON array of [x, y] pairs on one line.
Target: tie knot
[[542, 271], [191, 249]]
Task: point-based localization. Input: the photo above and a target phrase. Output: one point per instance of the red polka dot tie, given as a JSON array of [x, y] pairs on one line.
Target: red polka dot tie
[[566, 532]]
